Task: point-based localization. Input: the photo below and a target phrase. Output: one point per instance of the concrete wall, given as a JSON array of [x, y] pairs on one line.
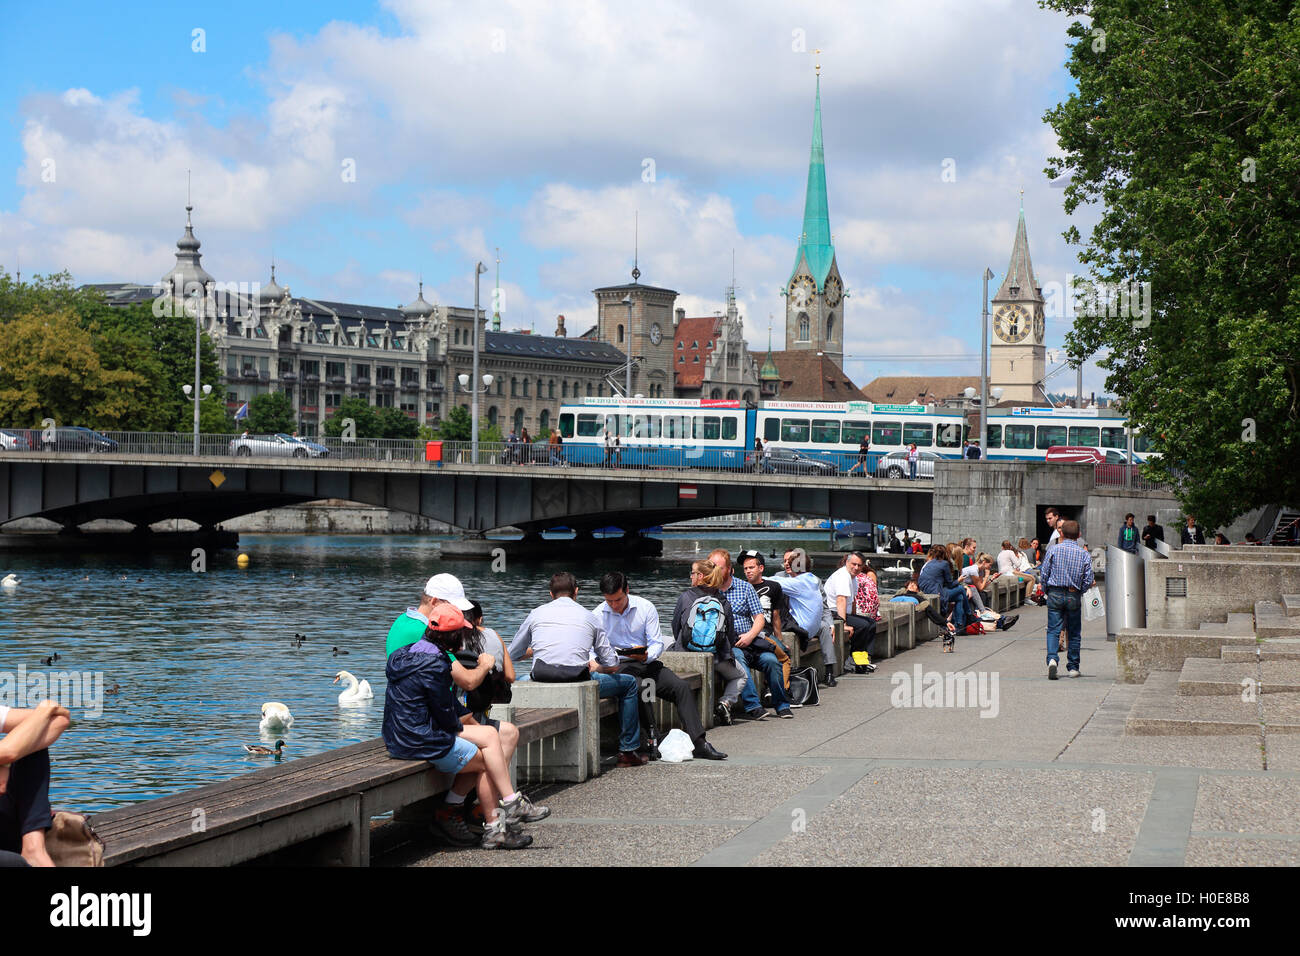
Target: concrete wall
[[994, 501], [1216, 584]]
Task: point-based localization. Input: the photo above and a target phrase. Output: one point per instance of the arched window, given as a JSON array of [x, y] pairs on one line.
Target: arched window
[[544, 420], [620, 335], [519, 419], [830, 327], [589, 391], [804, 327], [564, 389], [514, 387], [717, 393], [492, 415], [550, 389], [501, 385], [525, 388], [731, 395], [749, 396]]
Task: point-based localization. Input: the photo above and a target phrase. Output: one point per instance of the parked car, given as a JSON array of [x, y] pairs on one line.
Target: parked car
[[14, 441], [278, 445], [894, 465], [72, 438], [787, 461]]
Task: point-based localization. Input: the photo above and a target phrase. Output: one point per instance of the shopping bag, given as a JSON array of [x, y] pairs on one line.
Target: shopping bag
[[1093, 608]]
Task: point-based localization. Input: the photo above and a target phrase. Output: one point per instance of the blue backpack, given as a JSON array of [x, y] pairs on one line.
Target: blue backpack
[[707, 623]]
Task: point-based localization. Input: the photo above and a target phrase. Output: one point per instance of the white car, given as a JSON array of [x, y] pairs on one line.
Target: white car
[[278, 445], [894, 465], [13, 441]]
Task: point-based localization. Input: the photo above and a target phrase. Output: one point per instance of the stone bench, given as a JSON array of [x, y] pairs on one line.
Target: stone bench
[[319, 807]]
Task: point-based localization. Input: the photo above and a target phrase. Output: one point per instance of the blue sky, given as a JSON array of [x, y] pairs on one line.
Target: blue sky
[[529, 128]]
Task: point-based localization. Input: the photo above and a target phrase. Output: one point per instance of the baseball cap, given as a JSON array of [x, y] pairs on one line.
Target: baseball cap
[[446, 618], [447, 587]]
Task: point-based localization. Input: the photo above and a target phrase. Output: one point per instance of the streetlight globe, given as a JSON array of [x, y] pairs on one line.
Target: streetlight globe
[[997, 394], [207, 390], [463, 379], [488, 380], [187, 389], [969, 392]]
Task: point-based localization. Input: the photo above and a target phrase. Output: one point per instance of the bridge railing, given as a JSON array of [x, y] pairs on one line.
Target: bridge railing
[[1128, 476]]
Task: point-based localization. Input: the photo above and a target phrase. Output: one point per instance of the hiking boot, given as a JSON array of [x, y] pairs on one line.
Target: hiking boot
[[722, 713], [521, 810], [498, 836], [449, 827]]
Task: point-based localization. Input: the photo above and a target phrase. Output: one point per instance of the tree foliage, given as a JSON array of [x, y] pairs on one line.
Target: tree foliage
[[1185, 130], [456, 427], [362, 414], [271, 412]]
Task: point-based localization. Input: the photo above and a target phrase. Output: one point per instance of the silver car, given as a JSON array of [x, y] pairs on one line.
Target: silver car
[[894, 465], [278, 445]]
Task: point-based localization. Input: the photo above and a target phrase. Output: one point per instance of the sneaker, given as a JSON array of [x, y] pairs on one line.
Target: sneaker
[[785, 714], [521, 810], [1051, 669], [759, 714], [1006, 623], [767, 699], [868, 668], [722, 713], [498, 836], [1072, 672], [449, 827]]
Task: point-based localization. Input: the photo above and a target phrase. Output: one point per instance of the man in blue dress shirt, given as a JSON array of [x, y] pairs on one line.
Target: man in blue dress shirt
[[1067, 574]]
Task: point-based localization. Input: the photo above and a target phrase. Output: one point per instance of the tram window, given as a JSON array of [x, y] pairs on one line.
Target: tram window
[[772, 429], [589, 426], [674, 427], [919, 433], [947, 435], [825, 431], [729, 429], [566, 426], [853, 430], [886, 433], [1112, 438], [625, 425], [647, 426], [1020, 436], [1088, 435], [1140, 444], [1050, 435], [994, 439], [707, 427], [794, 429]]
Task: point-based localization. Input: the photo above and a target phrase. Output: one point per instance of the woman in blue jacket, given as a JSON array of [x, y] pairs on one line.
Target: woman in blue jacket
[[422, 722]]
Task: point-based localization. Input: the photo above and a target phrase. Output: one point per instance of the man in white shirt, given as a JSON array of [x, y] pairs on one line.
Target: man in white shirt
[[806, 601], [631, 626]]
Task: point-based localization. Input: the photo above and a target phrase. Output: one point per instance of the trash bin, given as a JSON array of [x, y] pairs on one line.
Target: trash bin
[[1126, 591], [433, 451]]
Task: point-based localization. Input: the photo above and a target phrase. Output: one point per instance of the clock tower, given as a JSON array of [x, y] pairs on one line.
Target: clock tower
[[1018, 357], [638, 320], [814, 293]]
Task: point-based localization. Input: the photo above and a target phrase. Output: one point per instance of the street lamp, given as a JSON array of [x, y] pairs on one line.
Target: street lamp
[[473, 426], [199, 394], [627, 346], [984, 368]]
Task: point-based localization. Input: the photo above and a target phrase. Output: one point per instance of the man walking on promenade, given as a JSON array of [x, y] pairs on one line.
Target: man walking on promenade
[[631, 626], [564, 635], [1067, 573]]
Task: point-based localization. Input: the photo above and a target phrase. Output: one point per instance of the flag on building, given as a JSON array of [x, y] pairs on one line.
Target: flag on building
[[243, 412]]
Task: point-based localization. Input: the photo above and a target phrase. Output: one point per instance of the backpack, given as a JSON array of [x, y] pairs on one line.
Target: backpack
[[803, 687], [974, 627], [705, 622]]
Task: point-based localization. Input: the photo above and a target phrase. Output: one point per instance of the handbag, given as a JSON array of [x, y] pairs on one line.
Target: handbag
[[803, 687], [495, 689], [1093, 608], [71, 841]]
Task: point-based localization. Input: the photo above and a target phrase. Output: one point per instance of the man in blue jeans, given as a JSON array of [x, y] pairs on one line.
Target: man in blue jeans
[[1067, 574], [564, 636], [747, 609]]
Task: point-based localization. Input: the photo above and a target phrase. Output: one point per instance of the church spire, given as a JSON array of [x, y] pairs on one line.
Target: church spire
[[815, 240], [1019, 285]]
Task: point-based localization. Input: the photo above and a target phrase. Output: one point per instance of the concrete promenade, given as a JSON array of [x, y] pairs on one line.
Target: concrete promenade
[[1050, 780]]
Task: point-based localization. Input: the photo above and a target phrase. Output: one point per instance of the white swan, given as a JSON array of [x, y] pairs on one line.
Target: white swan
[[10, 581], [275, 717], [355, 691]]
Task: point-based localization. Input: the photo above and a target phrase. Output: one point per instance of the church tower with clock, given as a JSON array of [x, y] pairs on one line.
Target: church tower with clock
[[1018, 357], [814, 293]]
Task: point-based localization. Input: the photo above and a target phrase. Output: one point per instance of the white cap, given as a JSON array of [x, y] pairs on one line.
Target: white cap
[[448, 588]]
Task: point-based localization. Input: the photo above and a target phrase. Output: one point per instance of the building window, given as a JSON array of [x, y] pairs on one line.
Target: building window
[[519, 420], [492, 415], [333, 399], [620, 335], [544, 421], [830, 327], [696, 360], [384, 400], [501, 385], [514, 388], [525, 388], [681, 360], [731, 394], [589, 390], [564, 390], [804, 327], [681, 344], [717, 393]]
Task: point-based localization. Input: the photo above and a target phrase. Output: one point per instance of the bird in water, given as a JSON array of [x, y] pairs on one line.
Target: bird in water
[[257, 750], [10, 581], [338, 653], [355, 691], [297, 640], [112, 690], [275, 717]]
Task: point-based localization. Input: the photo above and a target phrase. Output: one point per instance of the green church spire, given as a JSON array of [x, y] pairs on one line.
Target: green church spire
[[815, 241]]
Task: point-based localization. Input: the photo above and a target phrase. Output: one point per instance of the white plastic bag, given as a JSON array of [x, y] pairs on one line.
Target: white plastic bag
[[1093, 608], [676, 747]]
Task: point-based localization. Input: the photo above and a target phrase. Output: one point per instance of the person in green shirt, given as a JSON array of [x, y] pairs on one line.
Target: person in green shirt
[[411, 625], [1128, 535]]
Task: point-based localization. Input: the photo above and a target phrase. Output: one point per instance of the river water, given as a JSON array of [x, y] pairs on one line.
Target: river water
[[193, 656]]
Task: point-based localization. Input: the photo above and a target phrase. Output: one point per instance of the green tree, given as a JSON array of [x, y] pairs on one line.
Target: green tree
[[271, 412], [1185, 131], [456, 426], [395, 423], [362, 415]]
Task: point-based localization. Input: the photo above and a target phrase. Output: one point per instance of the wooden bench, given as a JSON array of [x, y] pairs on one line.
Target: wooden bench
[[324, 802]]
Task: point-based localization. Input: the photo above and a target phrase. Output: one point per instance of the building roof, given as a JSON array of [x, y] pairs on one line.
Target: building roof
[[806, 376], [520, 345], [188, 269], [691, 341], [815, 241], [1019, 284], [926, 389], [633, 286], [419, 308]]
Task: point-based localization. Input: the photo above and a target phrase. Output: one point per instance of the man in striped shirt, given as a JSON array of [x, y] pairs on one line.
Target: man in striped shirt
[[1066, 574]]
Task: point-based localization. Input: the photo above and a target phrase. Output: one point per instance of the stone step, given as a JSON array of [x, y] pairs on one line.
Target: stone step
[[1271, 621], [1212, 627], [1241, 622], [1161, 711], [1139, 651], [1204, 676], [1273, 648], [1291, 604]]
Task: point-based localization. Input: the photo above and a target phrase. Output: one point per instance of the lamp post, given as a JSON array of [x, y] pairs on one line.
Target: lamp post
[[199, 393], [984, 368], [473, 426], [627, 347], [476, 392]]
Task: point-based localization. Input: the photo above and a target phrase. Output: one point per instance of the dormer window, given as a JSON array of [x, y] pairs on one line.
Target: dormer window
[[1014, 290]]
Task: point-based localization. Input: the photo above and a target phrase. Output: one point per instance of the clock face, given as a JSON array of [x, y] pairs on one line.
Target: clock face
[[802, 291], [834, 291], [656, 334], [1040, 324], [1011, 323]]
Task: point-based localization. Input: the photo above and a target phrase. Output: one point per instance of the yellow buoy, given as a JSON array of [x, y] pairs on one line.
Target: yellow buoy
[[242, 560]]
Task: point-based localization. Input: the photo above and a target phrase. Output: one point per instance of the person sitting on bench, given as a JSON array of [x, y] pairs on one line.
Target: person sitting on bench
[[25, 780]]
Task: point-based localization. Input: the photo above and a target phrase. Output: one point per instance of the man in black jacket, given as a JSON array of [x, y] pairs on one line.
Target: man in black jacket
[[1193, 533], [1152, 533]]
